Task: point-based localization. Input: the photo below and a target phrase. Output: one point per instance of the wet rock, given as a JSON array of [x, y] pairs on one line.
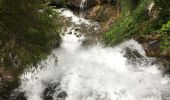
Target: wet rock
[[89, 41], [166, 53], [75, 33], [134, 57], [78, 35], [17, 95], [148, 38], [152, 48], [53, 91], [165, 64], [69, 33], [151, 43], [62, 94], [105, 14], [132, 54], [101, 13], [49, 91], [76, 29]]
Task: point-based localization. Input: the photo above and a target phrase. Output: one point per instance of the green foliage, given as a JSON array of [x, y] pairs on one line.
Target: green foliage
[[129, 23], [29, 30], [134, 20], [165, 31], [165, 27]]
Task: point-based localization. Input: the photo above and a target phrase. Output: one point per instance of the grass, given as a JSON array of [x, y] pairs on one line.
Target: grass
[[129, 23]]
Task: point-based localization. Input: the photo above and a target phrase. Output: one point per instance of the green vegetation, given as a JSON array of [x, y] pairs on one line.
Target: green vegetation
[[135, 20], [129, 21], [165, 30], [29, 30]]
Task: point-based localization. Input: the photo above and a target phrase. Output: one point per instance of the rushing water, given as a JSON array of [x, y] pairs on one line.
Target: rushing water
[[83, 5], [96, 73]]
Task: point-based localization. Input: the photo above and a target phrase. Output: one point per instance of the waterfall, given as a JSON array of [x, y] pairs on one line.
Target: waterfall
[[83, 5], [95, 73]]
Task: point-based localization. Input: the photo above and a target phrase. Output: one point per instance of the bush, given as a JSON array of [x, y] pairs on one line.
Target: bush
[[29, 30], [165, 31]]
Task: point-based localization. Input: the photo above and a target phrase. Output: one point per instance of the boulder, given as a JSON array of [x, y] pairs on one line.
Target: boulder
[[152, 48], [166, 53], [49, 91], [151, 44], [52, 91], [148, 38], [132, 54], [165, 65], [17, 95]]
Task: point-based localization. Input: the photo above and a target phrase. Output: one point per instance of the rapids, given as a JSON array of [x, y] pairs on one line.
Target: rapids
[[95, 73]]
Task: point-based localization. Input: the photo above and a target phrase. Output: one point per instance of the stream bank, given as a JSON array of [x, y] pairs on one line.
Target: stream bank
[[93, 33], [93, 72]]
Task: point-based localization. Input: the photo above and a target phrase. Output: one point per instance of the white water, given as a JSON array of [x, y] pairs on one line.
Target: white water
[[83, 5], [97, 73]]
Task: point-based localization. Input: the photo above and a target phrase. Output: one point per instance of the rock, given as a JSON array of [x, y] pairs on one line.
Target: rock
[[77, 3], [165, 63], [76, 29], [78, 35], [75, 33], [62, 94], [148, 38], [166, 53], [52, 91], [132, 54], [69, 33], [89, 41], [153, 10], [49, 91], [152, 48], [151, 44], [17, 95], [105, 14]]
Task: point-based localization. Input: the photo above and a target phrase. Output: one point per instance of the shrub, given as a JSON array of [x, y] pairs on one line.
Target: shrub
[[29, 30], [165, 31]]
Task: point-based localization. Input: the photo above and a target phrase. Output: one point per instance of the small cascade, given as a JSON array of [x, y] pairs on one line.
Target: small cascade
[[83, 5], [94, 73]]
